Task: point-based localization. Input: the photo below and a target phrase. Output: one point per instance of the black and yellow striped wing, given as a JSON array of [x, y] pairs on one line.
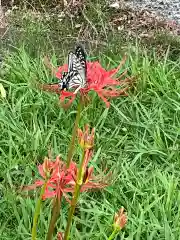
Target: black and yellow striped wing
[[76, 75]]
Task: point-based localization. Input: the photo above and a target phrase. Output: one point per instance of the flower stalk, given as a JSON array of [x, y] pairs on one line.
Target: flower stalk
[[54, 217], [74, 133], [113, 235], [37, 210], [78, 185]]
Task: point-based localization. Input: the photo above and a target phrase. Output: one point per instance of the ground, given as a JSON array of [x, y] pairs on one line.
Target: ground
[[137, 138]]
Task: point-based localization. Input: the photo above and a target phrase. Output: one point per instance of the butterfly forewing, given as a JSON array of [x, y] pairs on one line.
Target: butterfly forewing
[[70, 61], [80, 64], [79, 52]]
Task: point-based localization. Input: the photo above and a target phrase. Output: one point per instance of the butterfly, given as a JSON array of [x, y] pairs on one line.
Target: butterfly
[[75, 77]]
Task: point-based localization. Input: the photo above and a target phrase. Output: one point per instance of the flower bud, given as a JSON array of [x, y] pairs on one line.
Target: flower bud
[[86, 139], [120, 219]]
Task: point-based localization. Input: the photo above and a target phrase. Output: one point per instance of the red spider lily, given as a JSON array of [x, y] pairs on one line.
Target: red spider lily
[[98, 80], [120, 219], [89, 181], [62, 180], [59, 179], [86, 141], [93, 182]]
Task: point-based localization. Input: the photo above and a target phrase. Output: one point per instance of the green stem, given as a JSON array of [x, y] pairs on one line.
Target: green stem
[[54, 217], [37, 211], [113, 235], [71, 211], [75, 196], [74, 133]]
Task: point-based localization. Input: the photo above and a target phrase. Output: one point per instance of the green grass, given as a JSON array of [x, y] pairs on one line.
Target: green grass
[[138, 138]]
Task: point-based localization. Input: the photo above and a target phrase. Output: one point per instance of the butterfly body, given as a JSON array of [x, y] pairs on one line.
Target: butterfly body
[[75, 77]]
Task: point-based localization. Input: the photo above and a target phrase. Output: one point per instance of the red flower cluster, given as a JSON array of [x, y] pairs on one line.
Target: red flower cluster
[[98, 80], [61, 180]]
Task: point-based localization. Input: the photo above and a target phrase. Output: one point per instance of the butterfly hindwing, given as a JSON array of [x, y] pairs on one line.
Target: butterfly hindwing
[[76, 80]]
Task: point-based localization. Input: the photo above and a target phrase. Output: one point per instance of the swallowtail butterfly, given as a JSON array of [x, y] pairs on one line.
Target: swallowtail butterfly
[[75, 77]]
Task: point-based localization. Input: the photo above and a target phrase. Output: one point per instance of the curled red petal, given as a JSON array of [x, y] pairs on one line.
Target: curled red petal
[[38, 183], [49, 65], [70, 96], [49, 194], [120, 65], [50, 88], [93, 185], [104, 99], [60, 70]]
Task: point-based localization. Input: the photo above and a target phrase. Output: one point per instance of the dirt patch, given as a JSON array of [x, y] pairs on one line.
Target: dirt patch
[[99, 25]]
